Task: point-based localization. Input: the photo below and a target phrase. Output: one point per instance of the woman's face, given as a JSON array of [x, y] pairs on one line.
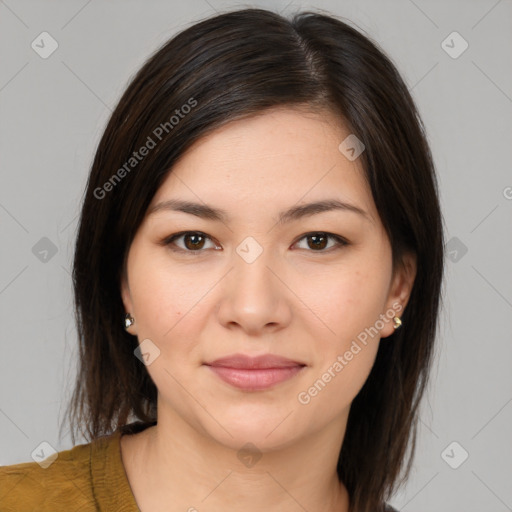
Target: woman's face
[[251, 284]]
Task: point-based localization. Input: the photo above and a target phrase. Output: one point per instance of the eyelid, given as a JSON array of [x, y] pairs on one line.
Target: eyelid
[[340, 241], [169, 240]]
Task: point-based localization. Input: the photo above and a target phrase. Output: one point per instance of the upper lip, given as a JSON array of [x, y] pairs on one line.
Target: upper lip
[[242, 361]]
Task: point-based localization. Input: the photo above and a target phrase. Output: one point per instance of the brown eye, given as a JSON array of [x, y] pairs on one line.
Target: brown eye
[[318, 241], [193, 241]]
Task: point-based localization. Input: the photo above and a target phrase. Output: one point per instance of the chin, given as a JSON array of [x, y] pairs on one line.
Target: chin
[[266, 432]]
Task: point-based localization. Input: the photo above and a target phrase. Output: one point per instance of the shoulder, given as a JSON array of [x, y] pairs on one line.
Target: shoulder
[[63, 478], [389, 508]]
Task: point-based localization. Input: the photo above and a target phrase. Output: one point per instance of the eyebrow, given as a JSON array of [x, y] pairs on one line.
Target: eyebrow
[[204, 211]]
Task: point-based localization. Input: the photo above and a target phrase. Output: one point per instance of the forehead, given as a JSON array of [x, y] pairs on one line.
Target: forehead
[[281, 157]]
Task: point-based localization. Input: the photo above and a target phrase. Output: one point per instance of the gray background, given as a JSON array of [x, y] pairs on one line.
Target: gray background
[[52, 115]]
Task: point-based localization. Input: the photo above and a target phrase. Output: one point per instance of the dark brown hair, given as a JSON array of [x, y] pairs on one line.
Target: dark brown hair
[[230, 66]]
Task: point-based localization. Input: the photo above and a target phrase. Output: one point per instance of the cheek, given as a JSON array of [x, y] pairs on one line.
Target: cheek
[[162, 299], [344, 357], [346, 302], [173, 307], [332, 389]]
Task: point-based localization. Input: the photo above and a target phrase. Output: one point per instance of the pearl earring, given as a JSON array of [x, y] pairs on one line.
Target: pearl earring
[[128, 321]]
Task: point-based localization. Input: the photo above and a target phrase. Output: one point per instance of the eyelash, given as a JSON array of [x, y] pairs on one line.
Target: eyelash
[[168, 241]]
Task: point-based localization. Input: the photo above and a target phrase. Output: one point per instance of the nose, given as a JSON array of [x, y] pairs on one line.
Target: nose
[[254, 295]]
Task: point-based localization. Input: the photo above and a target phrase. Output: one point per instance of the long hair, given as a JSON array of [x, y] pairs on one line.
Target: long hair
[[227, 67]]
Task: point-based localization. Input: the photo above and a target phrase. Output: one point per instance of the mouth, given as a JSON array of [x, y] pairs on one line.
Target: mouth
[[255, 373]]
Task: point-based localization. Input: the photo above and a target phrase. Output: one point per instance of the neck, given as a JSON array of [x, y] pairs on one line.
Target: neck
[[175, 464]]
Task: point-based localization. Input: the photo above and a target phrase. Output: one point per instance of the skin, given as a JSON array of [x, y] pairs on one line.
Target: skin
[[295, 300]]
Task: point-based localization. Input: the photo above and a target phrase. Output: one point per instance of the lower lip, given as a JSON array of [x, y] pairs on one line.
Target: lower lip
[[255, 380]]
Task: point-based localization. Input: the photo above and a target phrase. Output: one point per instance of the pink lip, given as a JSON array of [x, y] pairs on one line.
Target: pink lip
[[254, 373]]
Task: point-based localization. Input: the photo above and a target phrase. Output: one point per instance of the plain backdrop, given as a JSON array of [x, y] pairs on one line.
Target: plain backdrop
[[53, 112]]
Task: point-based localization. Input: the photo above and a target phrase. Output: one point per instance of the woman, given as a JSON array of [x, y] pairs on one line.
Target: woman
[[257, 280]]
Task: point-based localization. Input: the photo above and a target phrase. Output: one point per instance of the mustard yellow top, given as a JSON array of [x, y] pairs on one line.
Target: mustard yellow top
[[85, 478], [88, 477]]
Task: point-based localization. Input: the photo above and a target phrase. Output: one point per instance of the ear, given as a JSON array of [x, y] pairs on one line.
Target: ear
[[127, 300], [399, 291]]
